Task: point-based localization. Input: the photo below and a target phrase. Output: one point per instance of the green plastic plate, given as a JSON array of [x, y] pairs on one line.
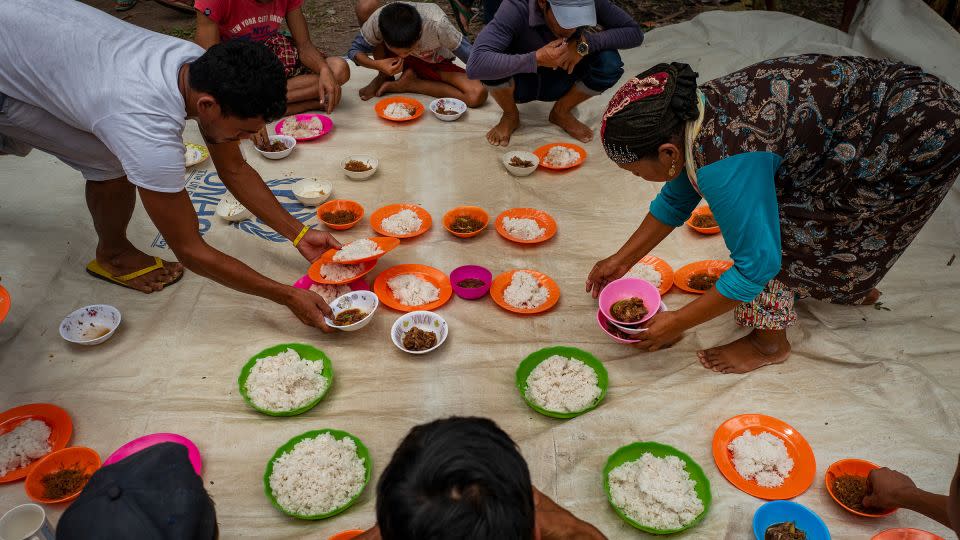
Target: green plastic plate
[[633, 452], [307, 353], [531, 362], [362, 452]]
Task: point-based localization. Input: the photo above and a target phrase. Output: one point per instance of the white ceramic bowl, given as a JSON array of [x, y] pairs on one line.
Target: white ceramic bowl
[[312, 191], [371, 162], [224, 206], [365, 301], [636, 330], [287, 141], [425, 320], [90, 325], [450, 104], [526, 156]]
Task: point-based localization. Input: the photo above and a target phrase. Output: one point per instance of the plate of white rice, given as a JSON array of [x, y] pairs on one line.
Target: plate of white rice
[[401, 220], [562, 382], [286, 380], [526, 225], [29, 433], [656, 488], [413, 287], [360, 251], [331, 273], [317, 474], [560, 156], [526, 292]]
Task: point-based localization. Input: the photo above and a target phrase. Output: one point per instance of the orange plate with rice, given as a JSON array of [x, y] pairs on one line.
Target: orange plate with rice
[[57, 419], [316, 276], [381, 108], [427, 273], [702, 211], [386, 244], [681, 277], [542, 152], [501, 282], [376, 219], [666, 272], [543, 219]]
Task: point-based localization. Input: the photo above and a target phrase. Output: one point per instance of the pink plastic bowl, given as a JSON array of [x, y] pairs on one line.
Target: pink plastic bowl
[[147, 441], [602, 321], [624, 288], [467, 272], [305, 283]]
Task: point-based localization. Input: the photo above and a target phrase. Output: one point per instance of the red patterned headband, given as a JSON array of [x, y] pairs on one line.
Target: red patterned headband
[[634, 90]]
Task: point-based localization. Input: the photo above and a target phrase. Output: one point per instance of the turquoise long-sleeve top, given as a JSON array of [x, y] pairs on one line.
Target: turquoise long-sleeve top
[[742, 195]]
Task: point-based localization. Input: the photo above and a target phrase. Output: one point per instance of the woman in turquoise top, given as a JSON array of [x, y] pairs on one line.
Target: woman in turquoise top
[[819, 170]]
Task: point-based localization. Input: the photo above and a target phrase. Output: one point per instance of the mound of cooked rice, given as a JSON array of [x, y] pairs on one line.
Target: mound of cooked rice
[[340, 272], [318, 475], [525, 292], [563, 385], [358, 249], [403, 222], [411, 290], [301, 130], [329, 293], [523, 228], [762, 458], [646, 273], [655, 492], [285, 381], [28, 441], [398, 111], [561, 156]]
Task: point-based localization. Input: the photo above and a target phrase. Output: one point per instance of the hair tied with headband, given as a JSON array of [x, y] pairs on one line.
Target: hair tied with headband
[[648, 110]]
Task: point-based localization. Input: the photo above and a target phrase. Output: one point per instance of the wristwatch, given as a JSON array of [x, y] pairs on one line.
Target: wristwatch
[[583, 48]]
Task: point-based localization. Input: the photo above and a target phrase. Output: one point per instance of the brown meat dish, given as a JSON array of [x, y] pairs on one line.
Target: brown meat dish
[[618, 332], [419, 340], [466, 224], [850, 490], [704, 221], [629, 310], [340, 217], [702, 281], [471, 283], [64, 482], [784, 531], [517, 162], [442, 110], [348, 317], [275, 146], [356, 166]]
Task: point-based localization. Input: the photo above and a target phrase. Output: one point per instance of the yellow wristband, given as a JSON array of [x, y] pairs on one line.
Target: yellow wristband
[[300, 236]]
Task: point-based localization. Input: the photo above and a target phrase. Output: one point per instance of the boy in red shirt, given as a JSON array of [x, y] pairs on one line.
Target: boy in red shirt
[[313, 79]]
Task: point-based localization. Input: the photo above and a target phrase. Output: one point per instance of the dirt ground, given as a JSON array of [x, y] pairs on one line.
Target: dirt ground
[[333, 24]]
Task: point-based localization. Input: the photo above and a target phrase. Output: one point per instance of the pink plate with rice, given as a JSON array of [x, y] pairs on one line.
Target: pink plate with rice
[[325, 121]]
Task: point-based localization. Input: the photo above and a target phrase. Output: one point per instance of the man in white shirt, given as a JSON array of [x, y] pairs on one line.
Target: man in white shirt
[[111, 100]]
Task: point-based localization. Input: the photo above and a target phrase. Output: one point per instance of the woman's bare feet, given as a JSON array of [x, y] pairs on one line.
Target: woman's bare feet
[[500, 134], [569, 123], [757, 349], [133, 259], [371, 89]]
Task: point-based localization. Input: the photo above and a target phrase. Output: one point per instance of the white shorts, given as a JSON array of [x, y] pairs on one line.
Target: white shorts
[[24, 127]]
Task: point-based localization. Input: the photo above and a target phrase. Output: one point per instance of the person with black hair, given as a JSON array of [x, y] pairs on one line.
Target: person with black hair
[[417, 42], [464, 479], [313, 78], [112, 102], [541, 50], [819, 170]]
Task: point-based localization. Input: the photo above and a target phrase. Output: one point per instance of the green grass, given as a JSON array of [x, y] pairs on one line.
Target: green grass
[[180, 32]]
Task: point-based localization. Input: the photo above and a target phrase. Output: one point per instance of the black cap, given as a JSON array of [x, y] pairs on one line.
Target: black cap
[[152, 495]]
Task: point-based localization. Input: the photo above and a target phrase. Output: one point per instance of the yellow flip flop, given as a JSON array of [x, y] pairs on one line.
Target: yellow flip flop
[[96, 270]]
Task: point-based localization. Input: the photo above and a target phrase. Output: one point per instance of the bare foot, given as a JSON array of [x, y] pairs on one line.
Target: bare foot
[[398, 86], [370, 90], [872, 297], [569, 123], [757, 349], [132, 260], [500, 134]]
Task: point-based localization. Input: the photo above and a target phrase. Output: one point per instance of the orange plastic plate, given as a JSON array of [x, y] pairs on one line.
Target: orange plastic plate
[[386, 244], [854, 467], [376, 219], [682, 276], [501, 282], [315, 275], [61, 428], [702, 210], [543, 219], [381, 108], [542, 152], [473, 211], [906, 534], [426, 273], [666, 272]]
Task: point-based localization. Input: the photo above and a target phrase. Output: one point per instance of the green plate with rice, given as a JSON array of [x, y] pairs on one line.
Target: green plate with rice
[[531, 362], [633, 452], [307, 353], [362, 453]]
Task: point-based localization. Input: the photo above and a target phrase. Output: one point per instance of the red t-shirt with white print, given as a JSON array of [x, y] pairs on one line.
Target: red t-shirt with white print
[[247, 19]]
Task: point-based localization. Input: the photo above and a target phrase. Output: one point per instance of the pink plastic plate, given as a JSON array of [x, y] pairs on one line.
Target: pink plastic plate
[[147, 441], [624, 288], [324, 120]]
